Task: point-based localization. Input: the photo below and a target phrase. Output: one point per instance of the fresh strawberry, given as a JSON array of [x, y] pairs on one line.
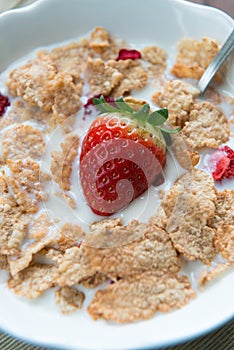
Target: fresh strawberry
[[122, 154]]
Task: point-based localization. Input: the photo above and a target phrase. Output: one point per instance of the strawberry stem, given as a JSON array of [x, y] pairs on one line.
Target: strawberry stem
[[156, 119]]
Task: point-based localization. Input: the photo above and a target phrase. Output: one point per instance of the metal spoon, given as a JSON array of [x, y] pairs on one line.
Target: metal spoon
[[219, 59]]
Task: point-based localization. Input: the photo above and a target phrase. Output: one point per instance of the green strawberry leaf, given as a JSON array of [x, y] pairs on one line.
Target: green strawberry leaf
[[163, 112], [171, 131], [103, 106], [123, 106], [143, 113], [99, 105], [158, 117], [107, 106]]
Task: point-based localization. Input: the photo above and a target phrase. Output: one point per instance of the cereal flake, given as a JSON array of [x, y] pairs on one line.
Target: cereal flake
[[31, 81], [69, 236], [189, 205], [69, 299], [150, 249], [94, 281], [10, 213], [102, 45], [22, 141], [224, 211], [30, 177], [208, 276], [156, 58], [69, 59], [178, 98], [140, 297], [19, 264], [73, 267], [3, 262], [33, 281], [224, 241], [194, 57], [62, 161], [102, 77], [207, 127], [134, 77]]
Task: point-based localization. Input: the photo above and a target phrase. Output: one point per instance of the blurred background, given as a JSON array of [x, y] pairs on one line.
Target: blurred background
[[225, 5]]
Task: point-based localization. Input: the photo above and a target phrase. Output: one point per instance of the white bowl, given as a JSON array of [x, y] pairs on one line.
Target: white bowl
[[162, 22]]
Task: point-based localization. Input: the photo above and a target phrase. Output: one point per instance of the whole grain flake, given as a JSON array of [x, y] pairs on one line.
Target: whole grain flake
[[69, 299], [22, 141], [140, 297], [62, 161], [178, 97], [194, 57]]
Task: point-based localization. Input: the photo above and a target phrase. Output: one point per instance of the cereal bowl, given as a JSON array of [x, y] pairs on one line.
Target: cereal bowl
[[164, 23]]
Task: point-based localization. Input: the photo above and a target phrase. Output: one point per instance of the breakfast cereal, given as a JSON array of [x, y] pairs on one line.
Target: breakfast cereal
[[61, 164], [224, 209], [224, 241], [207, 126], [22, 141], [208, 276], [178, 97], [19, 264], [69, 236], [140, 297], [136, 265], [133, 76], [156, 57], [69, 299], [102, 77], [194, 57], [33, 281], [94, 281]]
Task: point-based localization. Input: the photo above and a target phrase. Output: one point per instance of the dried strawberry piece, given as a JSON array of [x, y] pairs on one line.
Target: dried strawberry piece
[[79, 244], [221, 168], [229, 152], [4, 103], [125, 54], [225, 165]]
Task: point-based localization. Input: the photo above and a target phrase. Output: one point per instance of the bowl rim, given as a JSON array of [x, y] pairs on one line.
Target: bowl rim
[[33, 6]]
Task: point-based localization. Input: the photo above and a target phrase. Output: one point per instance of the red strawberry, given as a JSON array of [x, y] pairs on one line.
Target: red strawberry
[[122, 154]]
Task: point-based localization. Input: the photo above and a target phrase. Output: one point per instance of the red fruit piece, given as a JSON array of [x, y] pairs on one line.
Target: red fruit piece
[[126, 54], [225, 164], [79, 244], [4, 103], [122, 154]]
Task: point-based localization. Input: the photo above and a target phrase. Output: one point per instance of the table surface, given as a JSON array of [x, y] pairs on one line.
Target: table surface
[[221, 339]]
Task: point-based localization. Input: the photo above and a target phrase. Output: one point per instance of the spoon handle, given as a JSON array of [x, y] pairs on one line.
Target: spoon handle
[[219, 59]]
